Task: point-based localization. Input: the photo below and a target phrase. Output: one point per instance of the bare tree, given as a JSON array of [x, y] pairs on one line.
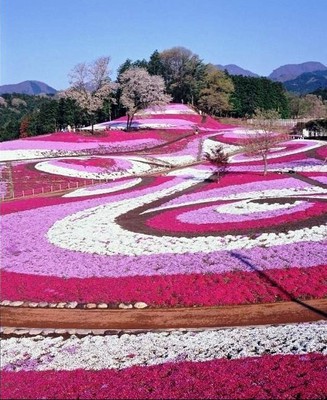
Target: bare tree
[[91, 86], [219, 159], [265, 137], [308, 106], [140, 90]]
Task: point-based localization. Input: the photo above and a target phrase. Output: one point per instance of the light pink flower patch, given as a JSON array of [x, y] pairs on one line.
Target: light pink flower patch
[[92, 165], [202, 219], [284, 149]]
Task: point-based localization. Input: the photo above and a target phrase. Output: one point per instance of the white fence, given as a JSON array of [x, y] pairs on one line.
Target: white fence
[[52, 188], [283, 122]]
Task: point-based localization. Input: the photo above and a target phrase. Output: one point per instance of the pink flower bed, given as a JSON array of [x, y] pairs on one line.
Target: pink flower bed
[[107, 137], [167, 279], [206, 219], [208, 289], [178, 120], [3, 184], [232, 136], [282, 149], [30, 204], [171, 240], [77, 144], [96, 165], [318, 176], [92, 162], [300, 158], [175, 108], [235, 183], [275, 377], [24, 177], [322, 152]]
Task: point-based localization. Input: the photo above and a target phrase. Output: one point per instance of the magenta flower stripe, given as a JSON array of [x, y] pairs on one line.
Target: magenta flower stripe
[[280, 376]]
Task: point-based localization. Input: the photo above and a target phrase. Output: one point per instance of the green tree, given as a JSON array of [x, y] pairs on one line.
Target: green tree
[[219, 159], [183, 73], [155, 66], [252, 93], [47, 117], [214, 98]]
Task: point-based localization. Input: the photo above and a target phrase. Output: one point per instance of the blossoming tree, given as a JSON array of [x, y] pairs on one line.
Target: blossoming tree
[[140, 90]]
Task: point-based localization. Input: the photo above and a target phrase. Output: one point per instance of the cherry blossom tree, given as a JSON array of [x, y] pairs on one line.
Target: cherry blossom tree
[[140, 90]]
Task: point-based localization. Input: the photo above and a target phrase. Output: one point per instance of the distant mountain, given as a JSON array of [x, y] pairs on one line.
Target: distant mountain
[[28, 87], [292, 71], [235, 70], [307, 82]]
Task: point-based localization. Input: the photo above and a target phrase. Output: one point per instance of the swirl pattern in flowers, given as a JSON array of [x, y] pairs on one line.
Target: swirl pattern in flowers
[[160, 230]]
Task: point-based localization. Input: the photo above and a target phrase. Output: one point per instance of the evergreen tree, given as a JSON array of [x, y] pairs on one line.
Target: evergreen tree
[[253, 93]]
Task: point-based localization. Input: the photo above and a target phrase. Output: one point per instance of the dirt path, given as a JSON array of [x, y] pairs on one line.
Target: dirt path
[[197, 317]]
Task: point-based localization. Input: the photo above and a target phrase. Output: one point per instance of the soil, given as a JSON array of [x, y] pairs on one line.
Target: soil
[[176, 318]]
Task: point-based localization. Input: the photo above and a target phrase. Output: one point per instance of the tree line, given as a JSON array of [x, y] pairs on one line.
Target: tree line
[[175, 74]]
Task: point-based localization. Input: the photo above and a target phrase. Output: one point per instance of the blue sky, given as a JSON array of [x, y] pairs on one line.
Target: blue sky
[[44, 39]]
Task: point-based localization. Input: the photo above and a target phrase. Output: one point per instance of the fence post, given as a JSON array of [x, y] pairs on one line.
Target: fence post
[[33, 191], [59, 186], [23, 193], [51, 188]]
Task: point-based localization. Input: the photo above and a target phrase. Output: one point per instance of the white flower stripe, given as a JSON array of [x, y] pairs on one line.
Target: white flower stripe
[[99, 352], [91, 191], [106, 237]]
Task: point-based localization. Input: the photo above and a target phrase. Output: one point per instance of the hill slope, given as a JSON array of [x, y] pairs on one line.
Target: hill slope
[[307, 82]]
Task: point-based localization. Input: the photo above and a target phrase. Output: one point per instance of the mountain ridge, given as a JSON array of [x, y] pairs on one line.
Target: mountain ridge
[[289, 72], [290, 75], [234, 69], [31, 87]]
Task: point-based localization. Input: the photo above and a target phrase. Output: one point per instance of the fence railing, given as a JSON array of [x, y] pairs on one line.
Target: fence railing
[[282, 122], [52, 188]]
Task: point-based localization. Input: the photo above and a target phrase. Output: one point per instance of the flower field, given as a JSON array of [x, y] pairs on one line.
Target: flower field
[[126, 217]]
